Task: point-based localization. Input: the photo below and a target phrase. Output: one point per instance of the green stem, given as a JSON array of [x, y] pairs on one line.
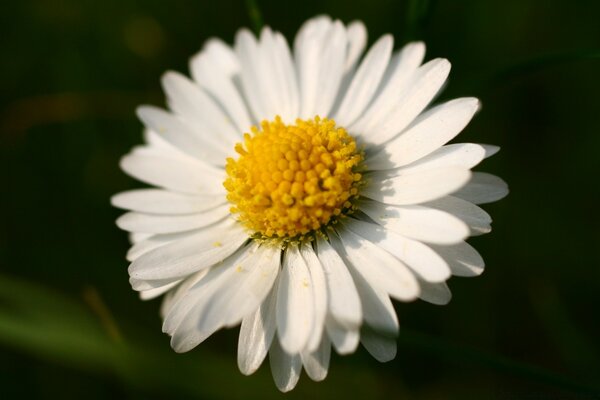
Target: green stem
[[255, 16]]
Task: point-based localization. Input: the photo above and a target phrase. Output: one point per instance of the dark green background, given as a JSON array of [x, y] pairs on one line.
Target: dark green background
[[72, 73]]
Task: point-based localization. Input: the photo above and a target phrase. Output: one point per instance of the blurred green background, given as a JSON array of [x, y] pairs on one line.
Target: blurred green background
[[72, 72]]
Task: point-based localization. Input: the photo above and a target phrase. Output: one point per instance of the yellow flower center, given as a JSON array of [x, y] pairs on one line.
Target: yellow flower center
[[291, 180]]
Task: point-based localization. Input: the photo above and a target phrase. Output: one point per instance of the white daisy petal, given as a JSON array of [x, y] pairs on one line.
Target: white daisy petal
[[477, 219], [357, 40], [427, 133], [344, 340], [382, 348], [245, 296], [187, 321], [214, 69], [174, 296], [462, 155], [343, 301], [256, 335], [483, 188], [490, 150], [156, 201], [425, 84], [152, 242], [151, 223], [377, 307], [319, 295], [288, 77], [247, 50], [365, 81], [285, 368], [245, 285], [320, 68], [183, 257], [187, 138], [196, 107], [462, 258], [155, 292], [435, 293], [309, 52], [419, 257], [316, 363], [179, 175], [135, 237], [295, 303], [417, 187], [418, 222], [382, 270], [181, 322], [397, 77]]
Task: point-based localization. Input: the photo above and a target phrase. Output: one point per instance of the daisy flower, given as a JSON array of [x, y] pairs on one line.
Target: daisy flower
[[297, 191]]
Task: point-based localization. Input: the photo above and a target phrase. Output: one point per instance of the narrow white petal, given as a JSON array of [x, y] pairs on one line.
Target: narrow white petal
[[365, 81], [254, 281], [138, 237], [462, 258], [417, 222], [179, 292], [319, 295], [490, 149], [191, 254], [396, 79], [427, 133], [183, 135], [152, 223], [295, 303], [309, 58], [462, 155], [176, 174], [382, 348], [245, 285], [186, 321], [424, 85], [256, 335], [379, 268], [476, 218], [215, 68], [417, 187], [155, 292], [378, 310], [156, 201], [344, 340], [419, 257], [285, 368], [196, 107], [316, 363], [277, 68], [435, 293], [357, 41], [246, 48], [343, 301], [152, 242], [483, 188]]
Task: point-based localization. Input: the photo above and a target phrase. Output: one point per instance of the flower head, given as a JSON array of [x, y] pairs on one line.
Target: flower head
[[297, 192]]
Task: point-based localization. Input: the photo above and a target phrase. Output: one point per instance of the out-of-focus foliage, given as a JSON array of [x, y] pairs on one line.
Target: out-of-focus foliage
[[72, 72]]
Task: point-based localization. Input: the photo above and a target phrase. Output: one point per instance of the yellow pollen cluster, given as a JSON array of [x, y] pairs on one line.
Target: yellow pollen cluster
[[290, 180]]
